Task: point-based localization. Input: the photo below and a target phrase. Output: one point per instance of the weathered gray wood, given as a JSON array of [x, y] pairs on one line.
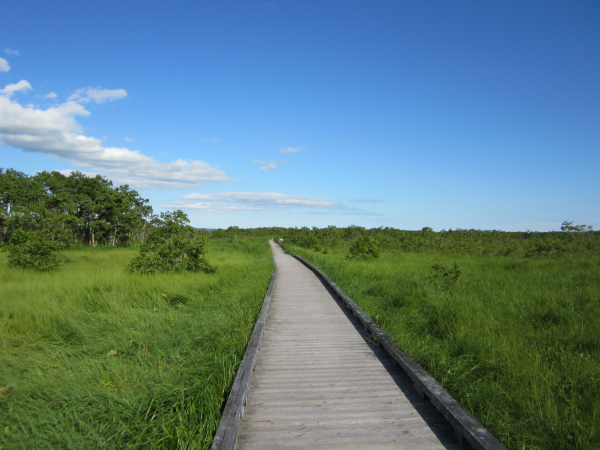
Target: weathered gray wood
[[320, 384], [465, 425], [226, 435]]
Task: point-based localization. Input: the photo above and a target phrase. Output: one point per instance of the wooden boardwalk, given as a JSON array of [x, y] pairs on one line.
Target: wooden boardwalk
[[319, 382]]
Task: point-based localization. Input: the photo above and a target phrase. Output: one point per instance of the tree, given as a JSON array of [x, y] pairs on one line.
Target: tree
[[569, 227], [133, 215], [17, 193], [93, 210]]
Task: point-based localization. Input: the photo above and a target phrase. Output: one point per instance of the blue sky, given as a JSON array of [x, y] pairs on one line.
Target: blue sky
[[276, 113]]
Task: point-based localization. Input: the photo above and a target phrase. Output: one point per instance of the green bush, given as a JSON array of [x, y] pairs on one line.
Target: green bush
[[172, 246], [33, 250], [176, 254], [365, 247]]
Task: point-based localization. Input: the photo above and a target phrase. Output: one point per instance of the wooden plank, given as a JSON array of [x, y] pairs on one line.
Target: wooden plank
[[353, 400], [394, 437]]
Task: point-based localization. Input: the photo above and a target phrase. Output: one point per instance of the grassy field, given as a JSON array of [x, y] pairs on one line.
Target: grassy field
[[100, 358], [515, 340]]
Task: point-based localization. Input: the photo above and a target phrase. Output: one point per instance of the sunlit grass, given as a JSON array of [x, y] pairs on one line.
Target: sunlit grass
[[174, 340], [516, 341]]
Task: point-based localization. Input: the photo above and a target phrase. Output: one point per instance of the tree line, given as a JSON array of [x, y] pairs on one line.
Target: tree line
[[42, 213], [71, 209], [572, 239]]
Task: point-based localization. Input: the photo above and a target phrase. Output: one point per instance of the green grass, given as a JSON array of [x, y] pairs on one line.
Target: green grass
[[516, 341], [178, 339]]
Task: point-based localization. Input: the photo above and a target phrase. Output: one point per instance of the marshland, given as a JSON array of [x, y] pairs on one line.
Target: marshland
[[124, 329]]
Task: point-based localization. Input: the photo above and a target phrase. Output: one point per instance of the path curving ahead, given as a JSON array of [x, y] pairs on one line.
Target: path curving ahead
[[320, 384]]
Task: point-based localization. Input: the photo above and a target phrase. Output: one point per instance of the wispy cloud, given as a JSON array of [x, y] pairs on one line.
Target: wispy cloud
[[55, 131], [97, 95], [50, 95], [128, 139], [4, 66], [8, 51], [290, 150], [10, 89], [268, 165], [253, 201]]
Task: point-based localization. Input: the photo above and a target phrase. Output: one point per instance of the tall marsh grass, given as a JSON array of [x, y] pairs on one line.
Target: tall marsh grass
[[100, 358], [516, 341]]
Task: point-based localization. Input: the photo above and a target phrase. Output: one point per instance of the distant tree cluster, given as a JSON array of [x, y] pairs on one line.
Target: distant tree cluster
[[71, 209], [44, 213], [572, 239]]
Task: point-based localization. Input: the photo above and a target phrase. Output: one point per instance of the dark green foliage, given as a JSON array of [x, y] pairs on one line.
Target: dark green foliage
[[33, 250], [445, 272], [365, 247], [172, 246], [548, 247], [73, 209], [16, 189], [554, 244], [176, 254]]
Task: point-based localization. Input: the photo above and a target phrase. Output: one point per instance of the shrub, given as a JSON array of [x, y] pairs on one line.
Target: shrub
[[33, 250], [176, 254], [171, 246], [548, 247], [365, 247]]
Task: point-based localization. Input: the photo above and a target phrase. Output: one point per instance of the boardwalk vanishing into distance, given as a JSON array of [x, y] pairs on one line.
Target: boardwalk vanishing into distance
[[321, 383]]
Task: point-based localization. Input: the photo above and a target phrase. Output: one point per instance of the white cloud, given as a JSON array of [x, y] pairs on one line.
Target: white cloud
[[8, 51], [253, 201], [97, 95], [128, 139], [10, 89], [268, 165], [4, 67], [55, 131], [50, 95], [290, 150]]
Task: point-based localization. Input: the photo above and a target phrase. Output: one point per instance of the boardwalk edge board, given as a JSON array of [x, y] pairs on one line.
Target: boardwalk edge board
[[466, 427], [226, 435]]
